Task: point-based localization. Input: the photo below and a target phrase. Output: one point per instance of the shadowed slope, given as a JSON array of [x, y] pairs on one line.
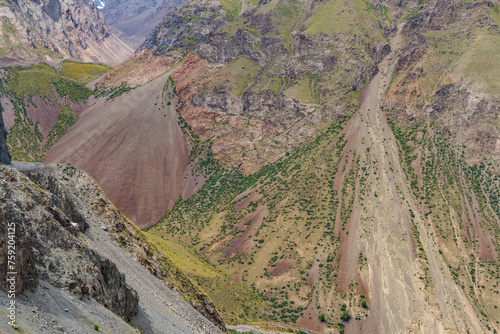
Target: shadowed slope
[[135, 149]]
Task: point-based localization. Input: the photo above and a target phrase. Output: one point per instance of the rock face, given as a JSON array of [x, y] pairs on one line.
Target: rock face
[[4, 152], [49, 248], [51, 29]]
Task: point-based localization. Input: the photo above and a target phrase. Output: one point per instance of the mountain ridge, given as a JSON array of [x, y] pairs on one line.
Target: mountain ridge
[[51, 30]]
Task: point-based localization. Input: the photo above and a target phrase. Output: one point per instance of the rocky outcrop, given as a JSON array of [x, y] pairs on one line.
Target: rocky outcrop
[[4, 152], [48, 245], [51, 29]]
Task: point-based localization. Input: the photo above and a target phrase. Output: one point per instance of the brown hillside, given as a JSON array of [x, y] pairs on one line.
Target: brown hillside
[[134, 148]]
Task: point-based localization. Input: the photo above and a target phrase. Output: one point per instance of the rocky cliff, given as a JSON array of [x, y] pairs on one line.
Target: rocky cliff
[[48, 248], [53, 29], [4, 152]]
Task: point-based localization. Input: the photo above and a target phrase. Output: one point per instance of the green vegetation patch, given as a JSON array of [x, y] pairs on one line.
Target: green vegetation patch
[[303, 89], [24, 137], [230, 298], [31, 81], [39, 80], [479, 65], [66, 118], [232, 8], [83, 72], [74, 91], [341, 17], [235, 76]]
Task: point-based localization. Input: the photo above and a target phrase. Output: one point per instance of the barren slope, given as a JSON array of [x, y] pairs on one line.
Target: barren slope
[[132, 21], [381, 228], [134, 148]]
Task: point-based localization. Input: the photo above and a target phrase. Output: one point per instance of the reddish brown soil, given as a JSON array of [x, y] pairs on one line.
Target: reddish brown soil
[[310, 318], [135, 150], [238, 278], [244, 244], [244, 203], [282, 265], [245, 193], [137, 70], [7, 113], [46, 114], [191, 185], [486, 247], [313, 274]]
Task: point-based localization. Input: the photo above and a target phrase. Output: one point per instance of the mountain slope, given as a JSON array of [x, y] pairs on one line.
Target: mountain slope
[[74, 244], [40, 102], [135, 148], [384, 222], [53, 29], [132, 21], [294, 77]]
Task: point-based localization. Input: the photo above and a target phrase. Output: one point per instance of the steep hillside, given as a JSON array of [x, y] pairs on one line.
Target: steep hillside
[[135, 148], [377, 217], [53, 29], [448, 74], [81, 259]]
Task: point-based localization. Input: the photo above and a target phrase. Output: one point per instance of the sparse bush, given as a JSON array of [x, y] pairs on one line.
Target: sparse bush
[[345, 316]]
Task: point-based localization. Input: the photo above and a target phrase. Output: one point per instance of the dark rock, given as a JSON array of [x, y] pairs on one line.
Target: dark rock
[[4, 152], [53, 9]]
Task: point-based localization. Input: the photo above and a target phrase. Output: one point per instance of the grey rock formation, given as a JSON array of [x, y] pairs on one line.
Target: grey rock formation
[[4, 153], [133, 20], [49, 247]]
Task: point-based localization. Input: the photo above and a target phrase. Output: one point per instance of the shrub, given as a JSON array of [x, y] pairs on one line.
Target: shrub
[[345, 316]]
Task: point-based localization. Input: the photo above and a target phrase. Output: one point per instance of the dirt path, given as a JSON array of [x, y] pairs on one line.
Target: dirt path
[[381, 228]]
